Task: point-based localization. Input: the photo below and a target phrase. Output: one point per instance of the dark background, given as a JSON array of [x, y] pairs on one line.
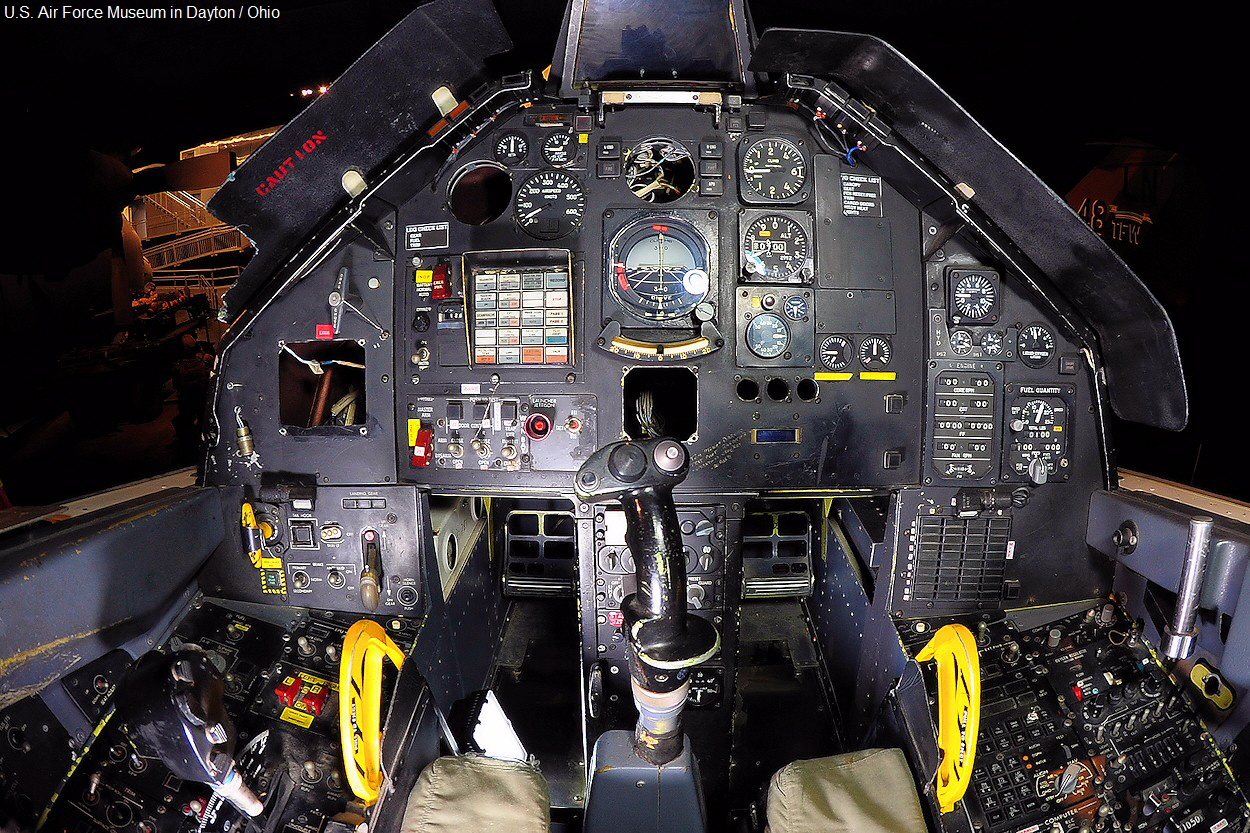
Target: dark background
[[1057, 84]]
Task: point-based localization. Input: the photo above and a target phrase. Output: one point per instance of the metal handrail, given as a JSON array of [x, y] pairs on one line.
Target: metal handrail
[[190, 246]]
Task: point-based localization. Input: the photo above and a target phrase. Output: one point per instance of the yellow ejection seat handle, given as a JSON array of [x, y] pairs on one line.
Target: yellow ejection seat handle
[[954, 648], [360, 705]]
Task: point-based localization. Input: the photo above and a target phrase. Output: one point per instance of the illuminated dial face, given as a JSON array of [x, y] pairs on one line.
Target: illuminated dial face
[[992, 343], [975, 296], [795, 308], [875, 351], [658, 268], [767, 335], [836, 353], [774, 247], [961, 342], [774, 169], [549, 205], [511, 149], [1036, 345], [559, 149]]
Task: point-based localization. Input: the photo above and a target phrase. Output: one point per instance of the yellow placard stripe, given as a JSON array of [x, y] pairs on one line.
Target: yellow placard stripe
[[878, 375], [297, 717], [833, 377]]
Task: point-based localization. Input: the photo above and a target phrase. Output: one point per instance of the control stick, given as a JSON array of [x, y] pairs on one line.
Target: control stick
[[174, 709], [664, 643]]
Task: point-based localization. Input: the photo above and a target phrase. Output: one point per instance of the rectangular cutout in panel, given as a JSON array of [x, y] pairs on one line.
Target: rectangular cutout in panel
[[321, 384]]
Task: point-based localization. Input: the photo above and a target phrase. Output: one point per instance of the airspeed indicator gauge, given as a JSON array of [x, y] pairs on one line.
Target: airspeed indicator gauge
[[549, 205], [1036, 345]]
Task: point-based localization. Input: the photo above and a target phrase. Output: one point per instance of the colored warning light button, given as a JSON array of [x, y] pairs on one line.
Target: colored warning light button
[[537, 426], [616, 618], [288, 690], [314, 699]]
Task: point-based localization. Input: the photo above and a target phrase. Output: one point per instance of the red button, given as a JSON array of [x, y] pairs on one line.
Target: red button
[[314, 699], [616, 618], [288, 690], [325, 332]]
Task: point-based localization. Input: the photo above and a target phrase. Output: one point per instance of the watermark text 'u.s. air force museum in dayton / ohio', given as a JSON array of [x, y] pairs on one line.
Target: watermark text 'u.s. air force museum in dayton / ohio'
[[132, 13]]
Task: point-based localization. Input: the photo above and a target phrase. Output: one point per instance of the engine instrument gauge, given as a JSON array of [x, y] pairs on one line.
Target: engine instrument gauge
[[1036, 345], [559, 149], [549, 205], [875, 351], [511, 149], [774, 247], [961, 342], [992, 343], [658, 268], [836, 353], [774, 169], [767, 335], [973, 296]]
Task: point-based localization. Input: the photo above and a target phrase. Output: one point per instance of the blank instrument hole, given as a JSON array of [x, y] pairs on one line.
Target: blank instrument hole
[[778, 389], [807, 389], [748, 390]]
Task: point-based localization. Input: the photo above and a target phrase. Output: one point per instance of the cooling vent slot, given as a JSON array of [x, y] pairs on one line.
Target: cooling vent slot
[[541, 550], [776, 555], [959, 561]]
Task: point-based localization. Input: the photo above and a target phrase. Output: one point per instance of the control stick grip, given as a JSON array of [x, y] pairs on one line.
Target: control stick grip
[[663, 641]]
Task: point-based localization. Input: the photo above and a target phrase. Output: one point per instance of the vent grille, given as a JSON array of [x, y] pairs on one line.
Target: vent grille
[[771, 588], [776, 554], [541, 553], [960, 559]]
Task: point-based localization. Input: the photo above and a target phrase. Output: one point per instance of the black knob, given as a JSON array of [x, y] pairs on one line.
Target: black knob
[[627, 463]]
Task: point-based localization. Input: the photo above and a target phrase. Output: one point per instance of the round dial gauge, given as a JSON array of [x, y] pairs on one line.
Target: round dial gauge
[[975, 296], [559, 149], [659, 268], [961, 342], [549, 205], [992, 343], [511, 149], [1036, 345], [875, 351], [767, 335], [836, 353], [774, 169], [774, 247], [795, 308]]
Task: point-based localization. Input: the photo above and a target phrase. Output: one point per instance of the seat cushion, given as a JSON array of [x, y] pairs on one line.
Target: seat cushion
[[478, 794], [870, 791]]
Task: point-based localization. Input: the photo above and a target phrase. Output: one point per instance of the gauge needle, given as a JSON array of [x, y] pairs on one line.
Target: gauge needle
[[758, 170], [538, 210]]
